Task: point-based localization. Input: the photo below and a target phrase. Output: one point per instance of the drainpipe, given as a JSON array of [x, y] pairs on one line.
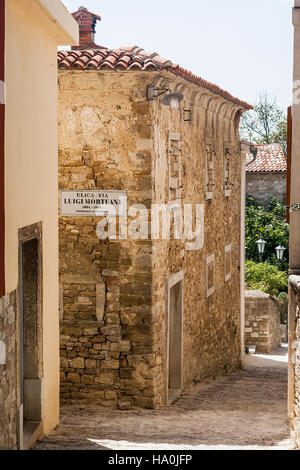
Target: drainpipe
[[2, 143], [253, 151]]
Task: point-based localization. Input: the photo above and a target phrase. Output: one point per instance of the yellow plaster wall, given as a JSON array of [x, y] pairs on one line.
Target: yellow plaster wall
[[31, 160]]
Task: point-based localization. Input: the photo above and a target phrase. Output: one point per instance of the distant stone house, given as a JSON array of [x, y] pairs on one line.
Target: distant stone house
[[142, 317], [266, 177], [262, 322]]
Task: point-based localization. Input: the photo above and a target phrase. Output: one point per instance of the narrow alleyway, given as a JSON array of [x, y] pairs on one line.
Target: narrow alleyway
[[246, 410]]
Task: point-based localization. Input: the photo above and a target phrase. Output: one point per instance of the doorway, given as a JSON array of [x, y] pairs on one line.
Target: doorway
[[31, 363], [175, 336]]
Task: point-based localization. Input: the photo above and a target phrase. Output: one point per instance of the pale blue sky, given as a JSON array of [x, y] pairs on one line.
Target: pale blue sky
[[243, 46]]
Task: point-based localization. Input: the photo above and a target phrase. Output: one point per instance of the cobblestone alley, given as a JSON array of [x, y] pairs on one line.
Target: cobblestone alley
[[246, 410]]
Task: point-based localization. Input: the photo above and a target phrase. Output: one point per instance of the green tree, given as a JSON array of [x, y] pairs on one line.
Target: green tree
[[269, 224], [266, 124]]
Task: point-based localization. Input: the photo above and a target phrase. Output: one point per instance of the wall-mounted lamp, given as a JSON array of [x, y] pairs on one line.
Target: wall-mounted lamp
[[171, 99]]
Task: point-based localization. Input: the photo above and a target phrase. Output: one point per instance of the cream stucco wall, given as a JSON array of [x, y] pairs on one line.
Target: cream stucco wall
[[295, 166], [34, 29]]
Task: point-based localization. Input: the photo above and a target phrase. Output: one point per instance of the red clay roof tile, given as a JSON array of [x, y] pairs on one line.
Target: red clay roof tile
[[134, 58], [270, 159]]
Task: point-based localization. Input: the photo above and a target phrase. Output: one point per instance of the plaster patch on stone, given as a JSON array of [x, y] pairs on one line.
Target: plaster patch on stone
[[70, 120], [100, 301], [2, 353], [91, 120]]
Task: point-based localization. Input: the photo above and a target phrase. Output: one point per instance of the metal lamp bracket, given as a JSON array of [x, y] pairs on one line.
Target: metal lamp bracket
[[153, 92]]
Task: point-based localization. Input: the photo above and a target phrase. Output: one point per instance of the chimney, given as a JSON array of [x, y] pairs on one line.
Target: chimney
[[87, 28]]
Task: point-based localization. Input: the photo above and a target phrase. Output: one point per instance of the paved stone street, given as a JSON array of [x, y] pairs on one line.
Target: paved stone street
[[246, 410]]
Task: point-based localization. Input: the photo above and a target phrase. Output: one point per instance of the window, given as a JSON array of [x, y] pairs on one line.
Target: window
[[210, 275], [175, 187], [227, 171], [228, 261], [210, 158]]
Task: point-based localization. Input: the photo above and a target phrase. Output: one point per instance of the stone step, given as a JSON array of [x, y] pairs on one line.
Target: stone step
[[32, 431]]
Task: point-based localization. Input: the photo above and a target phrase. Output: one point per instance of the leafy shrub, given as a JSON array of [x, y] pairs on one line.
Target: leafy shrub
[[276, 207], [266, 277], [283, 296], [283, 301]]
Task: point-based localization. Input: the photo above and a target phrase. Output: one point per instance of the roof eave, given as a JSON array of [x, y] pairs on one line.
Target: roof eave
[[190, 77], [274, 172]]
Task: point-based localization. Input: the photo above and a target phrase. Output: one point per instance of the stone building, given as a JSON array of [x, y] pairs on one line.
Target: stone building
[[266, 176], [30, 32], [143, 317], [262, 321], [294, 284]]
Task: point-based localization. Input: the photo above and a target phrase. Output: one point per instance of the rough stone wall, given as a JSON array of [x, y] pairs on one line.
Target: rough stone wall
[[211, 324], [263, 186], [8, 386], [106, 318], [113, 294], [284, 333], [294, 358], [262, 322]]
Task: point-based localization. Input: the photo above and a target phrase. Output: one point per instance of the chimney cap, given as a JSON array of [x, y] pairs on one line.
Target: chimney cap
[[82, 10]]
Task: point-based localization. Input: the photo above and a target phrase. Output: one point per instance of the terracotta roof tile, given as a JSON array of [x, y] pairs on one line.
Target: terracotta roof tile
[[270, 159], [134, 58]]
